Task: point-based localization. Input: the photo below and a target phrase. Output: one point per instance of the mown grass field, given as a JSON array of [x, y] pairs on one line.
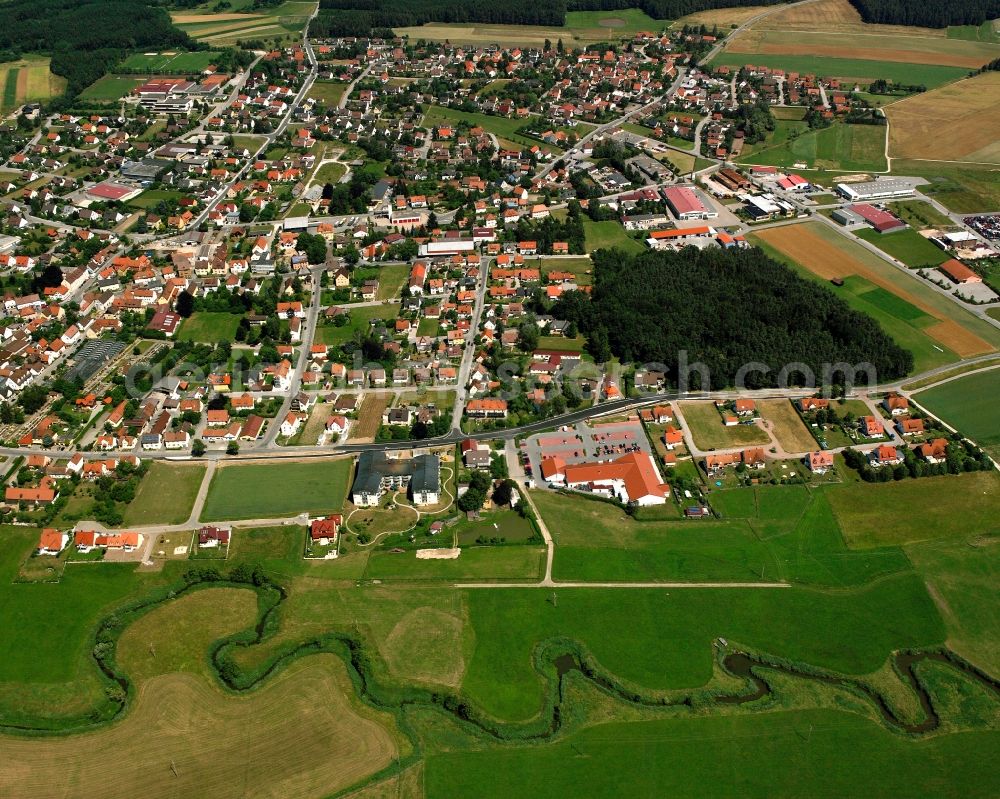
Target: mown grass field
[[963, 188], [264, 491], [501, 127], [166, 494], [862, 70], [327, 92], [608, 234], [969, 404], [210, 327], [709, 432], [475, 563], [907, 246], [951, 507], [788, 429], [770, 755], [844, 148], [360, 319]]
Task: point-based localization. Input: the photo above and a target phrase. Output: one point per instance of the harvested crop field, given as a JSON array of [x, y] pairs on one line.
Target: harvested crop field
[[181, 19], [968, 110], [836, 16], [824, 254], [783, 423], [864, 45], [184, 737], [369, 417], [722, 17]]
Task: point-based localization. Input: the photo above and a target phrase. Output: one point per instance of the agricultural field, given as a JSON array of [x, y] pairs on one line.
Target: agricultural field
[[369, 417], [172, 62], [501, 127], [602, 235], [242, 22], [933, 327], [708, 431], [722, 17], [209, 327], [267, 491], [766, 38], [969, 405], [166, 494], [582, 27], [475, 563], [966, 110], [851, 148], [785, 425], [907, 246], [850, 69], [27, 80]]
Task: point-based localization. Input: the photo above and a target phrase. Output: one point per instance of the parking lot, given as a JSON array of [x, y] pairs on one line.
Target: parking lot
[[585, 443]]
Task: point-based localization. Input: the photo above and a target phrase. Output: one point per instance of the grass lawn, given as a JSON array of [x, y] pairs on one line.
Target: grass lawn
[[331, 335], [209, 327], [969, 404], [501, 127], [330, 172], [776, 754], [601, 235], [263, 491], [166, 494], [151, 197], [709, 432], [930, 75], [475, 563], [328, 92], [949, 506], [839, 147], [907, 246], [770, 533], [428, 327], [963, 188], [582, 267], [506, 524]]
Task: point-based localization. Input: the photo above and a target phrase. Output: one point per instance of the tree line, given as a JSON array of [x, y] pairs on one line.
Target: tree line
[[928, 15], [725, 309]]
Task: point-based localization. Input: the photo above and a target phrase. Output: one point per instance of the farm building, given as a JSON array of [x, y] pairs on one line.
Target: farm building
[[959, 273]]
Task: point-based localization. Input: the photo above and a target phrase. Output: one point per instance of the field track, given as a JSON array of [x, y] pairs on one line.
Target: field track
[[828, 261]]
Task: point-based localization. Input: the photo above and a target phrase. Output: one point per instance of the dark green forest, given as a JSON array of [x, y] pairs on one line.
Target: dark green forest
[[85, 38], [940, 14], [725, 308], [356, 17]]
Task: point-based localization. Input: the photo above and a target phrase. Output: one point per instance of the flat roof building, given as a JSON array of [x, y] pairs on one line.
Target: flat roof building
[[875, 190], [685, 203]]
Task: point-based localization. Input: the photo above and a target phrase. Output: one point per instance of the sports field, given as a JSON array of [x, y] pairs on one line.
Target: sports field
[[166, 494], [582, 27], [276, 490], [969, 404], [27, 80], [855, 69], [110, 87], [172, 61], [210, 327], [907, 246], [940, 332], [957, 122], [853, 148]]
